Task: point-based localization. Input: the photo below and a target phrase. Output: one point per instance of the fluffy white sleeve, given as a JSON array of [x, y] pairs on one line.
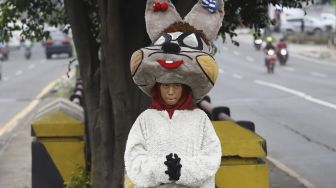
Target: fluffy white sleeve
[[196, 170], [143, 169]]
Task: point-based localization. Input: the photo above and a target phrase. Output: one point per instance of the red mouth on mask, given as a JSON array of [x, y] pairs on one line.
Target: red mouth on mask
[[170, 64]]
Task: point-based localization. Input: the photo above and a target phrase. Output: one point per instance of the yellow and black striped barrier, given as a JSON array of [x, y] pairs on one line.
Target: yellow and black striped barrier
[[243, 158], [57, 146]]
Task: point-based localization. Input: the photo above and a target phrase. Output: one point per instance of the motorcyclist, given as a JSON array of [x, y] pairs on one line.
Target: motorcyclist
[[281, 51], [28, 46], [269, 44], [257, 42], [281, 45]]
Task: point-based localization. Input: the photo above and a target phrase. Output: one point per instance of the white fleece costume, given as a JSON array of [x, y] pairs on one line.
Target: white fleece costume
[[189, 134]]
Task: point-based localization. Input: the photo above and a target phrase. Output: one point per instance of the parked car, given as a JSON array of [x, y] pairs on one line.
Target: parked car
[[329, 20], [4, 51], [58, 43], [15, 41], [306, 24], [328, 16]]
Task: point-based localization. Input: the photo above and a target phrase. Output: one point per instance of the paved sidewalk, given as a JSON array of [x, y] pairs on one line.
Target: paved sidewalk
[[15, 162], [318, 52]]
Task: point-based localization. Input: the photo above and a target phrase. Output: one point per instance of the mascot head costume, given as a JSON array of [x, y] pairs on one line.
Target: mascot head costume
[[180, 49]]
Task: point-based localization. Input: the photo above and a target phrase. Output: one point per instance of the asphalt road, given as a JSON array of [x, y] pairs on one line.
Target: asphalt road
[[294, 109], [23, 79]]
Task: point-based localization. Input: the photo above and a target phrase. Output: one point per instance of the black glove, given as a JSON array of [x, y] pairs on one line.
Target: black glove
[[174, 167]]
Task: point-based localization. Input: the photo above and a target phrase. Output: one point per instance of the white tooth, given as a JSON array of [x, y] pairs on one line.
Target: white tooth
[[169, 61]]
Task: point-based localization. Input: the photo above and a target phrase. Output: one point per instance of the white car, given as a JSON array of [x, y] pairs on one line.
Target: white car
[[329, 20], [15, 41], [308, 24]]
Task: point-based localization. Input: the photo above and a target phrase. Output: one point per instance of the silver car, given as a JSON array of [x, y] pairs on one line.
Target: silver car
[[305, 24]]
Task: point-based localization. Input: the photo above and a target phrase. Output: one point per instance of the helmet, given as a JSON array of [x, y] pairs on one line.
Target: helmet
[[269, 39]]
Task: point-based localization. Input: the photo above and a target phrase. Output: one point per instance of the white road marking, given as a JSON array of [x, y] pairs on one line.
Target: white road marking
[[221, 71], [18, 73], [250, 59], [289, 69], [291, 172], [236, 53], [43, 61], [319, 74], [297, 93], [14, 121], [32, 66], [5, 78], [237, 76], [28, 109]]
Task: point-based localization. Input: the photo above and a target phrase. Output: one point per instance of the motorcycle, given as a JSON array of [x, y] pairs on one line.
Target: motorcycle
[[3, 52], [28, 46], [282, 56], [27, 53], [270, 60], [257, 43]]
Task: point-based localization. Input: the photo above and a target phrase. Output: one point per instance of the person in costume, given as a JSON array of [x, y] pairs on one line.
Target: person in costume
[[173, 143]]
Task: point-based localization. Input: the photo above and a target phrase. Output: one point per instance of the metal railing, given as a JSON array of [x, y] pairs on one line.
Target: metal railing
[[222, 113]]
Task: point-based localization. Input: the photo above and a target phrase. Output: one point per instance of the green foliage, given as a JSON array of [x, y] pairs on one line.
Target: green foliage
[[29, 17], [81, 179], [93, 13]]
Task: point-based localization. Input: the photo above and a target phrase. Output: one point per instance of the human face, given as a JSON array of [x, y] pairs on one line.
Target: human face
[[171, 93]]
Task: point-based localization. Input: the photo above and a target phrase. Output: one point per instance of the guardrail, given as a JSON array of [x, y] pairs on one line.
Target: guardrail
[[222, 113]]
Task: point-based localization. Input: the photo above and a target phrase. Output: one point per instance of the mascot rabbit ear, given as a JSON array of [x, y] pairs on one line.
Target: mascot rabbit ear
[[207, 16], [159, 16]]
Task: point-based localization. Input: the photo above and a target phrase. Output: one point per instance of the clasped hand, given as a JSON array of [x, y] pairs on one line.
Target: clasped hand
[[174, 167]]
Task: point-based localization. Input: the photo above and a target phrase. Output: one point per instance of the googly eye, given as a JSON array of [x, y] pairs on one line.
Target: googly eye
[[191, 41], [160, 41], [175, 35]]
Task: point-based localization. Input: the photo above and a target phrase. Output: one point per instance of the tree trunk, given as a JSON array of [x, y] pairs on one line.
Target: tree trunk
[[123, 31], [89, 65]]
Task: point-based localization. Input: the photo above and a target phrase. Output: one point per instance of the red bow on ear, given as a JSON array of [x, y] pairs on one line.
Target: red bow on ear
[[157, 6]]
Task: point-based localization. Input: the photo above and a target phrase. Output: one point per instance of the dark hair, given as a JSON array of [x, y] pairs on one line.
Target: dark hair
[[185, 27]]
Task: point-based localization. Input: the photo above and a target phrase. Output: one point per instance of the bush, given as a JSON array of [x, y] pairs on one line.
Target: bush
[[302, 38], [79, 179]]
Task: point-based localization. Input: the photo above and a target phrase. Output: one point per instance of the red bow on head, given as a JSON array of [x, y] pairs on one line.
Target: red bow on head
[[157, 6]]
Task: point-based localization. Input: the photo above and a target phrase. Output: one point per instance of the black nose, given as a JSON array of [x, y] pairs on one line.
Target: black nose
[[171, 48]]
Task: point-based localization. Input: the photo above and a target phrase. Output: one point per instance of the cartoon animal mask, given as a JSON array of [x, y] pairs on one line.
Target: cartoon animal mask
[[180, 51]]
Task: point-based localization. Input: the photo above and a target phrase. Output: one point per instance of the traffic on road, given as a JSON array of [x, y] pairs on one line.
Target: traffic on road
[[294, 108]]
